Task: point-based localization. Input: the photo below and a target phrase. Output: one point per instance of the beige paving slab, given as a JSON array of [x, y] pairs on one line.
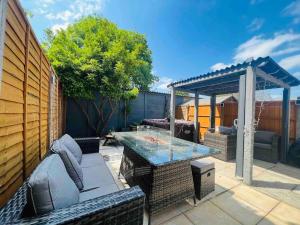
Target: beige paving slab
[[288, 172], [179, 220], [271, 180], [226, 182], [283, 214], [255, 198], [170, 213], [239, 209], [263, 164], [207, 213]]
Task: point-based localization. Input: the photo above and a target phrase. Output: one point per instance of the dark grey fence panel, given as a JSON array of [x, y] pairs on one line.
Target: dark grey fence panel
[[146, 105]]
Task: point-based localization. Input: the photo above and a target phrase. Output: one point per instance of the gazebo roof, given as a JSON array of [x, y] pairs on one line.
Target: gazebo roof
[[269, 75]]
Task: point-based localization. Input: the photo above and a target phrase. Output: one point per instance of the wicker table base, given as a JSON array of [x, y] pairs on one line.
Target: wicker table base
[[163, 185]]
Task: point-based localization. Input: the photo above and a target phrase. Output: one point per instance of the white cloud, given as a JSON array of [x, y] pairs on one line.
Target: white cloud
[[293, 10], [258, 46], [57, 27], [256, 24], [75, 10], [290, 62], [219, 66], [162, 84]]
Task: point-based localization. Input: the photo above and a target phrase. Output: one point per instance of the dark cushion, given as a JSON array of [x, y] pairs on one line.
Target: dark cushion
[[50, 187], [92, 159], [263, 146], [73, 168], [72, 146], [264, 137]]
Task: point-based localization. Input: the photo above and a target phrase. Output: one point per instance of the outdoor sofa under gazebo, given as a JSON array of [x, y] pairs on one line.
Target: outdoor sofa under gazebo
[[244, 78]]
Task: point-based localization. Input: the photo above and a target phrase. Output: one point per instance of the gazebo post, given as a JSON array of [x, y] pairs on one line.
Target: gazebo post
[[249, 125], [172, 110], [212, 111], [240, 131], [196, 124], [285, 126]]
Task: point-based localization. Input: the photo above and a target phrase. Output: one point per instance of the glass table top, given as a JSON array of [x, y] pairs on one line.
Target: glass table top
[[158, 147]]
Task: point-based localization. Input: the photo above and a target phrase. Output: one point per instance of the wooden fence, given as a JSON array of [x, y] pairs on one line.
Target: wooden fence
[[270, 116], [30, 100]]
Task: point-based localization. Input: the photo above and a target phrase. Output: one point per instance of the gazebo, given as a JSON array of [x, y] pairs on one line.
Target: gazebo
[[245, 79]]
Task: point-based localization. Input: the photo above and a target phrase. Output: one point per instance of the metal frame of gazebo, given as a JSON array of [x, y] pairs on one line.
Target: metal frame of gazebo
[[244, 78]]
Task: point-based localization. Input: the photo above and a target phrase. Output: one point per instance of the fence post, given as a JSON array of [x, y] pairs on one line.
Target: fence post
[[25, 85], [40, 108]]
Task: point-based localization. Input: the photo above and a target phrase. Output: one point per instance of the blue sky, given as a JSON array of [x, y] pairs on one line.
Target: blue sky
[[190, 37]]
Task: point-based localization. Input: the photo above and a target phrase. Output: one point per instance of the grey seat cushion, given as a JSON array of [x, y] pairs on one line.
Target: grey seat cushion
[[50, 187], [72, 146], [93, 159], [263, 146], [73, 168], [265, 137], [97, 192], [98, 181]]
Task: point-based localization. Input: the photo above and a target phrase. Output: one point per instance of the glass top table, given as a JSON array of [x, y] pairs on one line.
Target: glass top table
[[158, 147]]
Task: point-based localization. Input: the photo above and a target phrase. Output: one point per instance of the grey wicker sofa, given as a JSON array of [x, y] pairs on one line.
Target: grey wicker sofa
[[107, 206], [266, 146]]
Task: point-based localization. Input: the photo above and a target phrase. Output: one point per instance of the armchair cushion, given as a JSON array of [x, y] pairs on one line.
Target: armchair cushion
[[50, 187], [73, 168], [72, 146], [264, 137], [263, 146]]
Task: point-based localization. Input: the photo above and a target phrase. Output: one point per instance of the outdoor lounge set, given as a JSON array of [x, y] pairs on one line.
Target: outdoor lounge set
[[73, 185]]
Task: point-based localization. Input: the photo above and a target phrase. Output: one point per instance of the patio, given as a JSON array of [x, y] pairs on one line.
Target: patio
[[274, 197]]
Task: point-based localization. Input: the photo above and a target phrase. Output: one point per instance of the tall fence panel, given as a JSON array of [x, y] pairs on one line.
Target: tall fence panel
[[24, 100], [269, 115]]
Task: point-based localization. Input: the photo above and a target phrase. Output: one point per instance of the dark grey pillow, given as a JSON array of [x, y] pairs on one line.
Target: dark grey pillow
[[72, 146], [73, 168], [50, 187]]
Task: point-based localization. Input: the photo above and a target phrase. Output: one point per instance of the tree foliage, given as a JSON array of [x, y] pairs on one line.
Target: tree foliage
[[94, 55]]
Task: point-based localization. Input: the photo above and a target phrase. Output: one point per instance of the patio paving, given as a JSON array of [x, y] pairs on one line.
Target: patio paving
[[274, 197]]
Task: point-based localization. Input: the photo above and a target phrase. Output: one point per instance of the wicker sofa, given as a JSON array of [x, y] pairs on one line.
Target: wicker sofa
[[266, 146], [107, 204]]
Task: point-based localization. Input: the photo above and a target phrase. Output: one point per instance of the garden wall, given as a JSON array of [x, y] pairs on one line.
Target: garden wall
[[147, 105], [30, 100]]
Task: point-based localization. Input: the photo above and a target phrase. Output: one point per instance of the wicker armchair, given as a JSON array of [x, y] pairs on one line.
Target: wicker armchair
[[123, 207], [226, 143]]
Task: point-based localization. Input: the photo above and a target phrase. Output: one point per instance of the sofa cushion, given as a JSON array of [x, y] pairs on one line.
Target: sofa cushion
[[263, 137], [50, 187], [72, 146], [263, 146], [92, 159], [97, 192], [73, 168], [97, 176]]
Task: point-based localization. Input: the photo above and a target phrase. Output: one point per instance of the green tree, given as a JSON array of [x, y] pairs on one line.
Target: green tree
[[94, 56]]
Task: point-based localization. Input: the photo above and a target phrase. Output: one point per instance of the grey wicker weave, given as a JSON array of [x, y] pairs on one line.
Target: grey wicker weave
[[125, 207], [225, 143], [164, 185]]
